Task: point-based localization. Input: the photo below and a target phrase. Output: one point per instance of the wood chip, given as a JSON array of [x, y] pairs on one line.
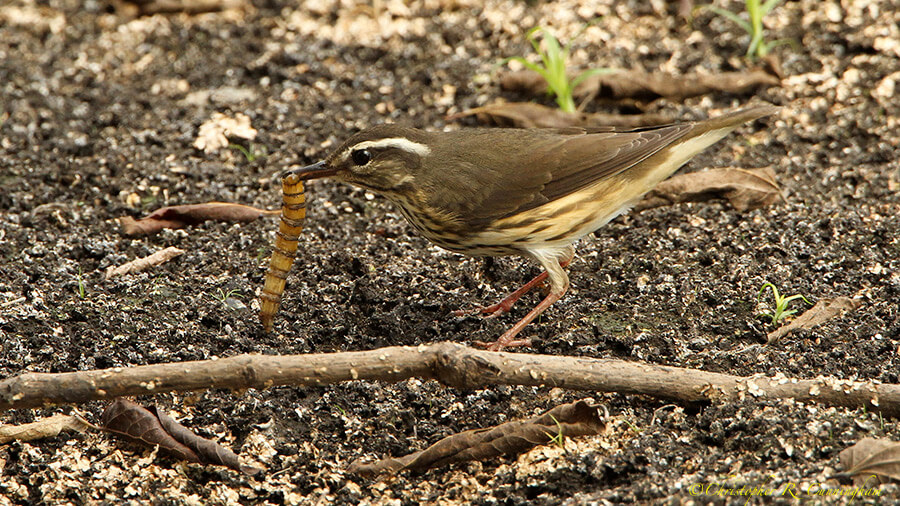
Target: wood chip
[[145, 263], [43, 428]]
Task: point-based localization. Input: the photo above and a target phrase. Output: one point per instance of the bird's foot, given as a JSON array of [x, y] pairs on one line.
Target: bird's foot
[[508, 339], [501, 343]]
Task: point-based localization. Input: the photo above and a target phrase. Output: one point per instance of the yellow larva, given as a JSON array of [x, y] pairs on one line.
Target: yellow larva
[[292, 214]]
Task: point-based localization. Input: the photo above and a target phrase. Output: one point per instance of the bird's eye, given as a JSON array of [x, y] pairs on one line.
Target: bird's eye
[[361, 156]]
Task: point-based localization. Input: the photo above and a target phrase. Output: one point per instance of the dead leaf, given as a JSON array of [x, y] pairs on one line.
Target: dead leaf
[[141, 264], [191, 214], [152, 427], [872, 457], [43, 428], [823, 311], [576, 419], [531, 115], [639, 85], [150, 7], [744, 188]]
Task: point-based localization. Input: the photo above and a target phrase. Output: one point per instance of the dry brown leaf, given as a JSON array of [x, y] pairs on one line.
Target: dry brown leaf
[[141, 264], [872, 457], [134, 8], [191, 214], [744, 188], [152, 427], [43, 428], [531, 115], [639, 85], [823, 311], [579, 418]]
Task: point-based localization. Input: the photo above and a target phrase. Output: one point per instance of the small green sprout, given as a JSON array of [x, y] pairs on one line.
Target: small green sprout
[[81, 291], [756, 11], [230, 294], [230, 299], [250, 154], [781, 303], [559, 439], [156, 286], [149, 201], [553, 66]]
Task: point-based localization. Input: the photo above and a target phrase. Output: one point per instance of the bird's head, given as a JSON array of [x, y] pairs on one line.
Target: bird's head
[[385, 159]]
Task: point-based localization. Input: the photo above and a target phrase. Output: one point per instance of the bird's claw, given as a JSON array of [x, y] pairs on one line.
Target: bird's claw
[[499, 344]]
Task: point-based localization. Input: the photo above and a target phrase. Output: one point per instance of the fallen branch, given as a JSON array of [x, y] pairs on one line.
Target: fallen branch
[[452, 364]]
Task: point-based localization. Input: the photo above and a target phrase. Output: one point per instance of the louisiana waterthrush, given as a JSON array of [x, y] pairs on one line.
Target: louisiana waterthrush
[[528, 192]]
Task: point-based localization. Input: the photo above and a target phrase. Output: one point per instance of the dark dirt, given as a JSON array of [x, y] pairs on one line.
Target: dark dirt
[[98, 114]]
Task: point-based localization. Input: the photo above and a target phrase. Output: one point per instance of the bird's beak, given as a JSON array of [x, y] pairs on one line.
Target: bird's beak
[[313, 171]]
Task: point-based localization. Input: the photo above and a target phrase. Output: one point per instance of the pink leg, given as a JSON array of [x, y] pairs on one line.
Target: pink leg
[[559, 285], [505, 305], [507, 340]]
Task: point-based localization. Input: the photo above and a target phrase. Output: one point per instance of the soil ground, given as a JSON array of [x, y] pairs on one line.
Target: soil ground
[[98, 114]]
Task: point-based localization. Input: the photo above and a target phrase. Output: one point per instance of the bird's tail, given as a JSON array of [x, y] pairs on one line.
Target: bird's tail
[[702, 135]]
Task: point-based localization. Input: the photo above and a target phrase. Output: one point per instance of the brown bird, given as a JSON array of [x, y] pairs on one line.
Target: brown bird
[[527, 192]]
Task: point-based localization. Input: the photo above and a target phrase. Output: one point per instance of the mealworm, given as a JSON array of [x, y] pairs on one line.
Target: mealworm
[[293, 211]]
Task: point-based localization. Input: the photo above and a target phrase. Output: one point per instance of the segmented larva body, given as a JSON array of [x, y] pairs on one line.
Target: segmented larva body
[[292, 214]]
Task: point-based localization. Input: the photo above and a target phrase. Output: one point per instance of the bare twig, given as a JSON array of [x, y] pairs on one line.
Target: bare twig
[[452, 364]]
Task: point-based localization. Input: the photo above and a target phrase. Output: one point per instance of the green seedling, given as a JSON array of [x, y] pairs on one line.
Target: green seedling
[[156, 286], [81, 291], [230, 294], [632, 426], [553, 64], [149, 201], [230, 299], [756, 11], [781, 312], [559, 439], [250, 154]]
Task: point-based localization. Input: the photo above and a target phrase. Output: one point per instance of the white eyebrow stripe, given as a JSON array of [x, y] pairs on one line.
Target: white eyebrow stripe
[[393, 142]]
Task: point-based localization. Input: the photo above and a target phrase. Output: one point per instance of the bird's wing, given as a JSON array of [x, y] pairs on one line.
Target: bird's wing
[[499, 184]]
